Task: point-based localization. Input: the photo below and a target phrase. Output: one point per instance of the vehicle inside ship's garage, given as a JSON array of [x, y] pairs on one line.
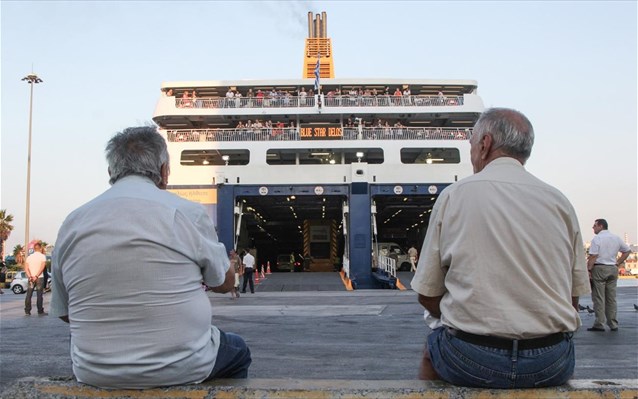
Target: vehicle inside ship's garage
[[310, 227]]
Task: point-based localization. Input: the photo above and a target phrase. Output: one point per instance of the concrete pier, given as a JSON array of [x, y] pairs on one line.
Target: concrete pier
[[303, 337]]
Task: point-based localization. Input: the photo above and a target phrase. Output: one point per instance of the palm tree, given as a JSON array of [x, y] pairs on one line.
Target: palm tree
[[18, 254], [5, 229]]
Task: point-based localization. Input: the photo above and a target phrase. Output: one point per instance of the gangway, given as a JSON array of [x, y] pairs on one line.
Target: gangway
[[348, 280], [384, 268], [238, 211], [345, 209]]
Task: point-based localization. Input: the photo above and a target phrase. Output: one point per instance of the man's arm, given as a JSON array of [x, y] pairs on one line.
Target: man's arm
[[431, 304], [591, 259], [41, 269], [575, 300], [229, 282], [622, 258], [25, 267]]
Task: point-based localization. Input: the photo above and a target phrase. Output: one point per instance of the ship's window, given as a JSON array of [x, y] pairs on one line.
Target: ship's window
[[430, 155], [323, 156], [214, 157]]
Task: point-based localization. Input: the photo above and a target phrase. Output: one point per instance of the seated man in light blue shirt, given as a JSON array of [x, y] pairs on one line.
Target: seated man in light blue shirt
[[133, 324]]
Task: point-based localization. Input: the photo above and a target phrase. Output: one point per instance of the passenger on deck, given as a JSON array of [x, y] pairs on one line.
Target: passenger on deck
[[133, 324], [407, 99], [230, 94], [442, 98], [501, 269], [397, 96], [260, 98], [197, 103], [186, 100], [287, 99]]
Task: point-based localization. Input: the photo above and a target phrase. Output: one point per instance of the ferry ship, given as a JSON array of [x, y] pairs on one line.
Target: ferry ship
[[319, 167]]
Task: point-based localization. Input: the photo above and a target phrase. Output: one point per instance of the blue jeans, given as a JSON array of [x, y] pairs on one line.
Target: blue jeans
[[233, 357], [465, 364]]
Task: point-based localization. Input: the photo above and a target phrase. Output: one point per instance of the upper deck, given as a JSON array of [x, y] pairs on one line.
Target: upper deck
[[261, 124], [410, 102]]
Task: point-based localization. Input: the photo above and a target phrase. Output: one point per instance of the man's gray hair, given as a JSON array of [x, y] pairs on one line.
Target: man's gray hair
[[137, 151], [511, 131]]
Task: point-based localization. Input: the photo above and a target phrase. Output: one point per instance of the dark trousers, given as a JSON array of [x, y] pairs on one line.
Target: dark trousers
[[39, 286], [248, 278]]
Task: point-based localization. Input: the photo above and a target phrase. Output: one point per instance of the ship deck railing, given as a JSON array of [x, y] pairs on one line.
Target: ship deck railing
[[292, 134], [341, 101]]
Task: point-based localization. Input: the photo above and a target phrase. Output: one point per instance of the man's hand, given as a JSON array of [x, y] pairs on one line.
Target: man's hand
[[229, 282]]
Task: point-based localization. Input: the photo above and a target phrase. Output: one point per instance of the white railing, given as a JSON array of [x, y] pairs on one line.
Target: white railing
[[292, 134], [388, 265], [346, 266], [311, 101], [390, 101], [246, 102]]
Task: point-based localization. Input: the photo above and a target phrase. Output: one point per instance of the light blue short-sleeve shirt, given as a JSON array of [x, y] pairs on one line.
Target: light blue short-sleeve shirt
[[127, 270]]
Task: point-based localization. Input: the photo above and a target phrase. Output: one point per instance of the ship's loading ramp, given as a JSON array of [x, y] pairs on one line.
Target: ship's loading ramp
[[312, 226]]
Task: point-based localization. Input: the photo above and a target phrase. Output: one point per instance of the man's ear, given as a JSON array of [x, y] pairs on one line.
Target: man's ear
[[486, 145]]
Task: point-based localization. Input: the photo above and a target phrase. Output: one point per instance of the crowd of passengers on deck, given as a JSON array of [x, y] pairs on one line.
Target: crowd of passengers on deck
[[259, 130], [355, 97]]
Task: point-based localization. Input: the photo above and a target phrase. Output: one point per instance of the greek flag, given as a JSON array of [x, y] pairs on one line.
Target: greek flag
[[317, 74]]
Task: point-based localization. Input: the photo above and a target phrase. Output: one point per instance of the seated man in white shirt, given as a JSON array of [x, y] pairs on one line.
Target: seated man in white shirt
[[133, 324]]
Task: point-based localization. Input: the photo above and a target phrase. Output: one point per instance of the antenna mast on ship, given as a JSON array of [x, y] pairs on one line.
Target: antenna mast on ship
[[318, 47]]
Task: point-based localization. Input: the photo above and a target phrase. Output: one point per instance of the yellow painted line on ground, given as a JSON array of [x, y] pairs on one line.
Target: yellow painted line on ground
[[91, 392], [332, 389], [336, 393]]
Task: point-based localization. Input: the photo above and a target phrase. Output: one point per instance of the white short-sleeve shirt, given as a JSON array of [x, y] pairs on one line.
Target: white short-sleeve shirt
[[607, 245], [127, 270]]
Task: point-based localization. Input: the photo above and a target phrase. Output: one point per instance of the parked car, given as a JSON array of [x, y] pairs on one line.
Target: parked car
[[394, 251], [287, 262], [20, 283], [9, 277]]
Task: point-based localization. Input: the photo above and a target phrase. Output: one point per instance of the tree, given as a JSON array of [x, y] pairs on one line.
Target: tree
[[5, 229], [18, 254]]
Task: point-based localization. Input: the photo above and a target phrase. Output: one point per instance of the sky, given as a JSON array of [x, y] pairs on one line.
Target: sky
[[569, 66]]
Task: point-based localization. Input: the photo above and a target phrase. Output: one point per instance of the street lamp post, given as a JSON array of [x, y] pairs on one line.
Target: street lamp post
[[31, 79]]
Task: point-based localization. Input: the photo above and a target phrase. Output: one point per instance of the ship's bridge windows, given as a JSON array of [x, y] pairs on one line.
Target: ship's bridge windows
[[430, 155], [323, 156], [214, 157]]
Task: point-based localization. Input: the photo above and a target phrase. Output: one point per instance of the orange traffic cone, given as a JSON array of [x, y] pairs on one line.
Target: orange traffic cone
[[268, 268], [261, 270], [257, 277]]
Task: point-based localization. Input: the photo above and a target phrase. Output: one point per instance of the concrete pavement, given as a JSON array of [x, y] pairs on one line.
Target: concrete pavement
[[313, 334]]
